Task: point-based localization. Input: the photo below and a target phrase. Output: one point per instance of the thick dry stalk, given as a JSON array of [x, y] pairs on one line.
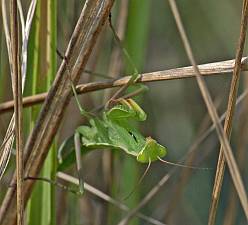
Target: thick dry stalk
[[228, 121], [233, 168], [17, 93], [209, 69], [92, 18]]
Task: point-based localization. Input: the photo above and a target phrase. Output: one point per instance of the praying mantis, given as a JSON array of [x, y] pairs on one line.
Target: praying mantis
[[114, 129]]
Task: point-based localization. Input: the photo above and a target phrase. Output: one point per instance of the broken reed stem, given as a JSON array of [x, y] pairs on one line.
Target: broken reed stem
[[229, 117], [17, 93], [209, 69]]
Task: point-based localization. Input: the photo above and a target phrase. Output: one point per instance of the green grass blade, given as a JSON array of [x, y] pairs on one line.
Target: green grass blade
[[33, 211], [41, 72], [49, 170]]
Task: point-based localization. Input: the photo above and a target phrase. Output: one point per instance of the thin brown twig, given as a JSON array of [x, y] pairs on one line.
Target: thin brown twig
[[227, 150], [228, 121], [209, 69], [17, 93]]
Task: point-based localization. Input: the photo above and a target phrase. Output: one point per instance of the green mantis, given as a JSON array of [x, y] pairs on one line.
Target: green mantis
[[113, 130]]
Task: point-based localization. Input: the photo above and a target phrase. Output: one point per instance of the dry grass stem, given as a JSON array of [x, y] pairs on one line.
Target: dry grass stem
[[17, 93]]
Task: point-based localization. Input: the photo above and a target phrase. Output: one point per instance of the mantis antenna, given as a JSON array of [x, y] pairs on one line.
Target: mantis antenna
[[181, 165]]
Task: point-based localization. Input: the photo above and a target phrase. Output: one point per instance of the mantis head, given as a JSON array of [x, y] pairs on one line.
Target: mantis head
[[151, 151]]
